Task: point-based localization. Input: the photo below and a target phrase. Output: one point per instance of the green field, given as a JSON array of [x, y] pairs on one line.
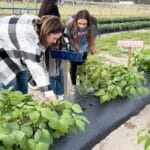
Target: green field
[[109, 42]]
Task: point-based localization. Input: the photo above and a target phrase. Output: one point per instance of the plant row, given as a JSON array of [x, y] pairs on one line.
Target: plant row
[[116, 27], [110, 81], [33, 125], [142, 60], [122, 19]]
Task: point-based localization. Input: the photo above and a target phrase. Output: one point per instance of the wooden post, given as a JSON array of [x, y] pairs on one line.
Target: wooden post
[[36, 7], [27, 6], [12, 6], [129, 56], [129, 44], [65, 79]]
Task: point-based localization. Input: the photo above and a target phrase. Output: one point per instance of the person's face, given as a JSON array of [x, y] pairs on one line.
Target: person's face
[[52, 38], [82, 23]]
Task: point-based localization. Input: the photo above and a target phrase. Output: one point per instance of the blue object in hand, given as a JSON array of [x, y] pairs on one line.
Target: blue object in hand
[[67, 55]]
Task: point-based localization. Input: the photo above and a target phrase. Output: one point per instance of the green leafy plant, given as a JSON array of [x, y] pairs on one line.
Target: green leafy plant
[[142, 60], [33, 125], [110, 81], [144, 136]]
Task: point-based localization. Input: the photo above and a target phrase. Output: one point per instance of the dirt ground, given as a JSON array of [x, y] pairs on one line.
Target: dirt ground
[[125, 137]]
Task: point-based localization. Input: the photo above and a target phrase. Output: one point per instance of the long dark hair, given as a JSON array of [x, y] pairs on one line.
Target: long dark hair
[[49, 7], [82, 14]]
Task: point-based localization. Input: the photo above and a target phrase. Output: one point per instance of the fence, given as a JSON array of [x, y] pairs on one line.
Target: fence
[[67, 9]]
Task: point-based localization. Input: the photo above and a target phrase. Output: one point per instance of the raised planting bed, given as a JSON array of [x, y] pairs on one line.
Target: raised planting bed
[[104, 118]]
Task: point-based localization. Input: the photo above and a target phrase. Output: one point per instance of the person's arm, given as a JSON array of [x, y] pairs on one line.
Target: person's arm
[[40, 76], [31, 55]]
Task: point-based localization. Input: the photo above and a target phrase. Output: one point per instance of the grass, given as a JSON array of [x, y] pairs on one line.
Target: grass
[[109, 42]]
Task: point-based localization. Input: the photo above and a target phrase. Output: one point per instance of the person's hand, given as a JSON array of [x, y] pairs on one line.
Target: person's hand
[[92, 52], [80, 51], [50, 96]]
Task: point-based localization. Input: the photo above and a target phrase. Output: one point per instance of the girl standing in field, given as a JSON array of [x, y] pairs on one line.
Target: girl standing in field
[[82, 31]]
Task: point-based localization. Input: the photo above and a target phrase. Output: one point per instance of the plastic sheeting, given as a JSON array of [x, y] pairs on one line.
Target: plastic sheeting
[[103, 118]]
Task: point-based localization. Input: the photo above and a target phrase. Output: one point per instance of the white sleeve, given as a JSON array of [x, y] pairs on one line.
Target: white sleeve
[[31, 54]]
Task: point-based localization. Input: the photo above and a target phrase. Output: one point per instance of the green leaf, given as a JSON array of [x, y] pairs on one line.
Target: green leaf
[[17, 136], [17, 113], [2, 148], [28, 107], [14, 138], [31, 103], [67, 116], [100, 92], [63, 126], [141, 139], [20, 105], [1, 105], [104, 98], [3, 97], [111, 87], [56, 135], [76, 108], [53, 123], [7, 140], [43, 135], [13, 126], [4, 130], [80, 124], [46, 137], [48, 114], [104, 73], [133, 91], [85, 119], [61, 105], [147, 142], [42, 125], [16, 97], [142, 91], [122, 83], [31, 144], [37, 135], [34, 116], [42, 146], [27, 130], [148, 148]]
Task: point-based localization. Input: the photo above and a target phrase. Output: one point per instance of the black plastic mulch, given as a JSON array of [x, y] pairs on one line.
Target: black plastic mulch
[[103, 119]]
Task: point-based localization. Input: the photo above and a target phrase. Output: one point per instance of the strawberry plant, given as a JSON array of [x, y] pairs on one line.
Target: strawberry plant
[[33, 125], [110, 81]]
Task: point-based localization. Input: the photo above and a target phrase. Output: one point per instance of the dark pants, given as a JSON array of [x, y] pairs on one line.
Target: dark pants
[[57, 83], [19, 83], [74, 67], [22, 82]]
